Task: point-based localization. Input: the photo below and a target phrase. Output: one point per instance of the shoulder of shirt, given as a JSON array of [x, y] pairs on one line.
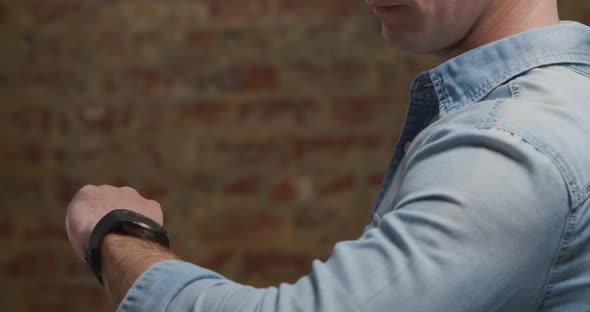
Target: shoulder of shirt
[[548, 108]]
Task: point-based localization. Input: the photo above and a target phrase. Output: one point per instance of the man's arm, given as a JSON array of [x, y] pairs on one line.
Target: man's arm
[[124, 259], [475, 227]]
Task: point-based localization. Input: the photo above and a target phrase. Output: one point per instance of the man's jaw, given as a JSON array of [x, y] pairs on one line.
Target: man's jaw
[[383, 8]]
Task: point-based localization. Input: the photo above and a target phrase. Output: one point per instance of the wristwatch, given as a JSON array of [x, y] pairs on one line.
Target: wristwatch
[[124, 222]]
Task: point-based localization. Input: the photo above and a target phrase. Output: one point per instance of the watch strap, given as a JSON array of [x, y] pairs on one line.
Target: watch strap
[[125, 222]]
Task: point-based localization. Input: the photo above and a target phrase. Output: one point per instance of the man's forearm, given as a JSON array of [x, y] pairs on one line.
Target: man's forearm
[[124, 259]]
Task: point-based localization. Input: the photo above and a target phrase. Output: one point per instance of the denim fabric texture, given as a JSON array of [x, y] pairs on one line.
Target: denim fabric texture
[[484, 206]]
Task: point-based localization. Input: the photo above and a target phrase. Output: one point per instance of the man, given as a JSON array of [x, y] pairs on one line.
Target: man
[[485, 206]]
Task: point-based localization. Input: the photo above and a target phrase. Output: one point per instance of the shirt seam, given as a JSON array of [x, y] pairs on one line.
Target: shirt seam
[[556, 263], [489, 123], [515, 90], [577, 193], [575, 189], [579, 71], [490, 84], [565, 237]]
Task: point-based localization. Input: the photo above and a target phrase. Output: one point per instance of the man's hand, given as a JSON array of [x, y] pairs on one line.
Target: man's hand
[[92, 203]]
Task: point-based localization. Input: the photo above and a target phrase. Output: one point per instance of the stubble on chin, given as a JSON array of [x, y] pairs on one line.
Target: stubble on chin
[[401, 37]]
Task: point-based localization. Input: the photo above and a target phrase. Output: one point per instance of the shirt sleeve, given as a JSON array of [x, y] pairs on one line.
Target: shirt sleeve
[[475, 226]]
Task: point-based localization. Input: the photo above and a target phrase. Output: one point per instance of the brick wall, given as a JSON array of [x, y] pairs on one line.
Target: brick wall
[[263, 127]]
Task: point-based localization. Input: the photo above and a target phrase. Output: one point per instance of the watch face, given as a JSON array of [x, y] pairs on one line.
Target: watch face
[[142, 220]]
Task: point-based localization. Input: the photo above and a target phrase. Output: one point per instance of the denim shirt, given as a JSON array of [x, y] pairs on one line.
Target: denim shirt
[[484, 207]]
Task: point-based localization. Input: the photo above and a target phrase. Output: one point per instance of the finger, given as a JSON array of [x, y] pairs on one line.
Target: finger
[[129, 189], [87, 188], [155, 210], [107, 187], [84, 192]]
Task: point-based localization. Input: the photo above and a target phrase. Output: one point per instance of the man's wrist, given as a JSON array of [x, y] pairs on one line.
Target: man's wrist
[[125, 258], [125, 222]]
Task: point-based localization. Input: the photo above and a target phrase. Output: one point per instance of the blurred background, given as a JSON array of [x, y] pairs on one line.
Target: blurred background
[[263, 127]]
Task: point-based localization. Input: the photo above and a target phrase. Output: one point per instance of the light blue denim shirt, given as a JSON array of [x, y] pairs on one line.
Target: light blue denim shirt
[[484, 207]]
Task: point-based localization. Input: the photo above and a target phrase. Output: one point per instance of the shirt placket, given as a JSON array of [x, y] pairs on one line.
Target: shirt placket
[[423, 108]]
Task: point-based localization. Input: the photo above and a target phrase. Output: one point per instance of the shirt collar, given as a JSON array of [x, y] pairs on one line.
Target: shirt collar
[[469, 77]]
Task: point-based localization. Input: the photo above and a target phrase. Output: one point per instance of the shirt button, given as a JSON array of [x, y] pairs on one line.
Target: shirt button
[[407, 146]]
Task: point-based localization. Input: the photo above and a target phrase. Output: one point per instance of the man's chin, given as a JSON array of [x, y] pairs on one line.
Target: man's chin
[[406, 42], [396, 40]]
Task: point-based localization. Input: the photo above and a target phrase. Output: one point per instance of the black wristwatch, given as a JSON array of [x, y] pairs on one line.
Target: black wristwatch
[[125, 222]]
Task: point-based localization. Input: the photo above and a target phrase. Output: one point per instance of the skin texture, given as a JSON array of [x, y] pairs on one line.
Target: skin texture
[[91, 203], [445, 28], [451, 27], [124, 258]]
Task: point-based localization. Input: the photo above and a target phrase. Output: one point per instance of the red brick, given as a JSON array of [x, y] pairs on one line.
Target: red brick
[[60, 155], [258, 78], [29, 264], [283, 190], [203, 38], [2, 12], [335, 145], [61, 52], [5, 79], [65, 296], [23, 186], [208, 112], [46, 12], [206, 183], [586, 17], [244, 186], [90, 152], [238, 11], [125, 114], [248, 226], [73, 267], [329, 77], [324, 8], [31, 118], [247, 153], [44, 230], [357, 110], [6, 227], [118, 182], [155, 190], [375, 181], [7, 154], [266, 260], [318, 143], [64, 124], [152, 124], [246, 78], [45, 306], [67, 187], [34, 154], [150, 80], [154, 154], [266, 111], [110, 85], [337, 185], [312, 216], [97, 117], [370, 142], [51, 79], [219, 260]]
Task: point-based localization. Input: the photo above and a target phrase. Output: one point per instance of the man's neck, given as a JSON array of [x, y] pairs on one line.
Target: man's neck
[[502, 19]]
